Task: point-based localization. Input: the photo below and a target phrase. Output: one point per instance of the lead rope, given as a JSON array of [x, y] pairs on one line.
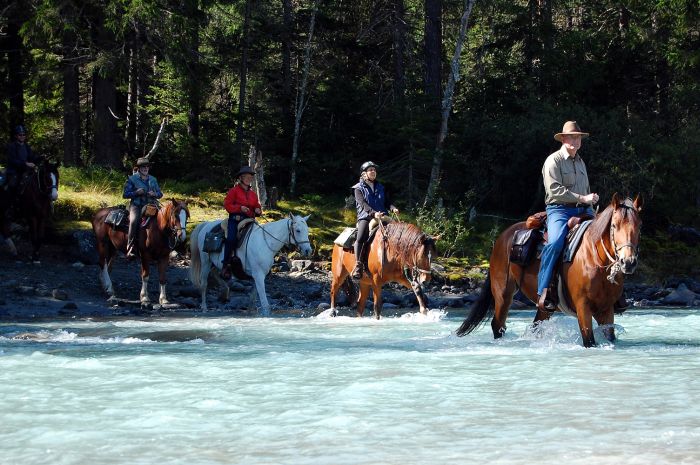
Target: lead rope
[[615, 266]]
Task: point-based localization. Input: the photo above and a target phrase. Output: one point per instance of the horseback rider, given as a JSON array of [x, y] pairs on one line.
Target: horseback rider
[[20, 159], [241, 202], [567, 194], [370, 201], [142, 189]]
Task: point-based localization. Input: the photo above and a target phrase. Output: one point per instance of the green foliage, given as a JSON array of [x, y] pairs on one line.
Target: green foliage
[[450, 224]]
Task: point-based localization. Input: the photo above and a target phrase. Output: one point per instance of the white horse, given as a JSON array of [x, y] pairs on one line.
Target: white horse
[[257, 253]]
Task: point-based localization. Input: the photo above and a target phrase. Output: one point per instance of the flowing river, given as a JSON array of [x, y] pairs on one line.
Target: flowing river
[[330, 391]]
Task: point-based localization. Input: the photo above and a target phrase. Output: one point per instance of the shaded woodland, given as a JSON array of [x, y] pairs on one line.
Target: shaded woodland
[[456, 100]]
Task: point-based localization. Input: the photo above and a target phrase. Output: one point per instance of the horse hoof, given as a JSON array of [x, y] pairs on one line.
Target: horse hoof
[[164, 301]]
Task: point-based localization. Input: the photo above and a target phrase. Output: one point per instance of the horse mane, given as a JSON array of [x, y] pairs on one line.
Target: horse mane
[[404, 240], [164, 214], [601, 224]]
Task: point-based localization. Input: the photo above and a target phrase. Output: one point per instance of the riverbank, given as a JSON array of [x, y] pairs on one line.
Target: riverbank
[[66, 285]]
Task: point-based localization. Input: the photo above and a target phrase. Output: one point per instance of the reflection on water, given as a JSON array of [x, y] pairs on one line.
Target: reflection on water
[[341, 390]]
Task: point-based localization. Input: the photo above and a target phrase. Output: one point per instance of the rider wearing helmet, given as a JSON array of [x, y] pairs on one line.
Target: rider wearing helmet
[[371, 201], [20, 157], [241, 202]]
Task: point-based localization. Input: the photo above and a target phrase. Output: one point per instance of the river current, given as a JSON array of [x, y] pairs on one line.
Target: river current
[[315, 390]]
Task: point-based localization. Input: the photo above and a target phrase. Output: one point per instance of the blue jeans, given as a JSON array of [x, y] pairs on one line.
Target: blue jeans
[[557, 216]]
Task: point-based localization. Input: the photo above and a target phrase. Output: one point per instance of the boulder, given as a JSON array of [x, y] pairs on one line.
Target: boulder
[[680, 296]]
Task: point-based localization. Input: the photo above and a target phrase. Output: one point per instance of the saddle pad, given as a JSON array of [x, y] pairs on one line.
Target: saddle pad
[[346, 238], [242, 225], [573, 240]]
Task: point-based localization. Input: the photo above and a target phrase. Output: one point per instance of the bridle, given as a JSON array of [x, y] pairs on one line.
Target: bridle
[[615, 266], [291, 238], [172, 238]]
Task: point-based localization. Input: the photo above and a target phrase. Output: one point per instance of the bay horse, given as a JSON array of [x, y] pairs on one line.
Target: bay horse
[[592, 281], [155, 242], [396, 250], [257, 253], [36, 192]]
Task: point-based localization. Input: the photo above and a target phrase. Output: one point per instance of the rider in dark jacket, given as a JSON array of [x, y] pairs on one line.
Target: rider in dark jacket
[[20, 157], [142, 189], [370, 201]]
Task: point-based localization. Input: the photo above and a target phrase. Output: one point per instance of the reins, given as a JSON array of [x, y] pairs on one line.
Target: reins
[[615, 266]]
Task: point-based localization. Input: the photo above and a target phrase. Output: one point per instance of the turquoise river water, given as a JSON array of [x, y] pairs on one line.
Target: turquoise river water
[[402, 390]]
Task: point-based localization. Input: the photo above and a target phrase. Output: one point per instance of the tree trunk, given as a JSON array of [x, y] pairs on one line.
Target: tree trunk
[[71, 100], [243, 80], [107, 144], [287, 30], [433, 51], [132, 96], [399, 47], [447, 104], [15, 85], [301, 101], [255, 161], [193, 69]]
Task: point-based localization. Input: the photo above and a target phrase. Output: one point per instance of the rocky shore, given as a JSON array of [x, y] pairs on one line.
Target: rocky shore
[[66, 285]]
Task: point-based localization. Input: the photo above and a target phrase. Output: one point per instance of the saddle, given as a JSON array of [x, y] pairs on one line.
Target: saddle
[[215, 238], [346, 239]]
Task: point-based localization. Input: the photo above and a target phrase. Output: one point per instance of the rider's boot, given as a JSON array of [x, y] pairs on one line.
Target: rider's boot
[[545, 302], [357, 271]]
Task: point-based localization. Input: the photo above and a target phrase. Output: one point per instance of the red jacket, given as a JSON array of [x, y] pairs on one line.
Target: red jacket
[[238, 197]]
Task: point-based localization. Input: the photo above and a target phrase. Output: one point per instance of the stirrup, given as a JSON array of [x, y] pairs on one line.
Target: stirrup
[[357, 271]]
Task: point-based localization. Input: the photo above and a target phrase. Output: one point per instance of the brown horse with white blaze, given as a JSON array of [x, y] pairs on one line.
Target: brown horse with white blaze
[[592, 281], [397, 250], [155, 242]]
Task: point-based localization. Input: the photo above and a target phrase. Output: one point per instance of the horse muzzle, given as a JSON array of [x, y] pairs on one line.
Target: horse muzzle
[[629, 264]]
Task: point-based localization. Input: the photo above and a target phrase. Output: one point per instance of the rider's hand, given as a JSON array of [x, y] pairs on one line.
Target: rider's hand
[[258, 211], [590, 198], [152, 193], [395, 210], [30, 165], [244, 209], [378, 215], [140, 191]]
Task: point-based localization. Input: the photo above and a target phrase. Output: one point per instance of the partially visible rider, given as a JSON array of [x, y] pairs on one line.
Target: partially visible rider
[[241, 202], [370, 201], [142, 189], [20, 159]]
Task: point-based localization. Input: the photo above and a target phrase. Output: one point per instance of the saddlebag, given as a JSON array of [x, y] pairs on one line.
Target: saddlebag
[[346, 239], [214, 240], [524, 247], [118, 217]]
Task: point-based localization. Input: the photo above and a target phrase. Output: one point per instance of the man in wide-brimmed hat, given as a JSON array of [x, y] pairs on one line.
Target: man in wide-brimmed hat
[[567, 194], [241, 202], [141, 188]]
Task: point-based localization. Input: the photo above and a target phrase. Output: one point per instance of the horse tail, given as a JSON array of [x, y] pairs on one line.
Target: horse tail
[[195, 256], [479, 309]]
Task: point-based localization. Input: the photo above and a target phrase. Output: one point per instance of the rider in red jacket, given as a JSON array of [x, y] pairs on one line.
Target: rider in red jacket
[[241, 202]]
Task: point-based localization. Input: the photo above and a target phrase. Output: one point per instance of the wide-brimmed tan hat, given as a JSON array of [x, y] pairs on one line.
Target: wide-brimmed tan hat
[[571, 128], [143, 162]]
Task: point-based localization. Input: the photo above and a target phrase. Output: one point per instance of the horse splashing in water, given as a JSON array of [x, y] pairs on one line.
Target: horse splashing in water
[[592, 282], [155, 242], [399, 252], [36, 193], [256, 252]]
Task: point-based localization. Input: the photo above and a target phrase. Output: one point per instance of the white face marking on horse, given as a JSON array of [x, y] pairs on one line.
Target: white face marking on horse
[[183, 225], [54, 188]]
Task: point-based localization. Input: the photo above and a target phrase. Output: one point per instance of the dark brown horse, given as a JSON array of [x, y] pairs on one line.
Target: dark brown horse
[[592, 281], [399, 252], [36, 192], [155, 242]]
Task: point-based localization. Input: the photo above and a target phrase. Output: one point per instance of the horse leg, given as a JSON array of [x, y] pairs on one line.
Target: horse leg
[[205, 268], [585, 323], [362, 298], [144, 281], [224, 290], [417, 289], [11, 246], [260, 287], [378, 302], [336, 283], [606, 322], [502, 290], [163, 280], [34, 238]]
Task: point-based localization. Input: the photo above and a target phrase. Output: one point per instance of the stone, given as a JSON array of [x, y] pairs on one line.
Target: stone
[[323, 306], [78, 265], [680, 296], [59, 294]]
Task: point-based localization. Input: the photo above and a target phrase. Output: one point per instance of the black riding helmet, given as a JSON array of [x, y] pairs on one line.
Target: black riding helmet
[[367, 165], [19, 130]]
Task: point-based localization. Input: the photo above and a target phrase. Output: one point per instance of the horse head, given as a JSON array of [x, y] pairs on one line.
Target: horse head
[[625, 231], [299, 234], [426, 252], [48, 178], [176, 214]]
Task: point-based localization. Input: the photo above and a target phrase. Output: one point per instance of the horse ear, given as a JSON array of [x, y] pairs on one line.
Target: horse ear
[[306, 218], [291, 216], [437, 238], [638, 202], [617, 199]]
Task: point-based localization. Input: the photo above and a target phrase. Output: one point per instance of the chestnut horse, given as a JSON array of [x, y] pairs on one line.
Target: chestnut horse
[[397, 250], [592, 281], [36, 193], [155, 242]]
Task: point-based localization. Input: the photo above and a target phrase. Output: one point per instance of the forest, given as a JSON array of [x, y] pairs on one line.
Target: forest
[[456, 100]]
